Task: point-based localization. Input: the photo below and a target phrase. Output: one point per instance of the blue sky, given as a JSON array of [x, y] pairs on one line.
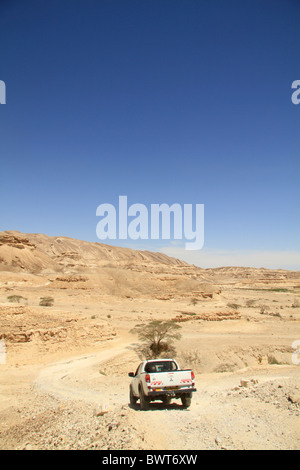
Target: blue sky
[[165, 101]]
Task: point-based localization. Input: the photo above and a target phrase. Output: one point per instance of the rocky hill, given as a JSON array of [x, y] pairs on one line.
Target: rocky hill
[[38, 253], [77, 264]]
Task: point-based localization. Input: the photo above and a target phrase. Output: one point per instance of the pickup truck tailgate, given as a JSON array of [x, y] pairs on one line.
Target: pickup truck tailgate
[[171, 380]]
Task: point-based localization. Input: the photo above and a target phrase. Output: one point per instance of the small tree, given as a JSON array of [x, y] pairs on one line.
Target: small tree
[[157, 338]]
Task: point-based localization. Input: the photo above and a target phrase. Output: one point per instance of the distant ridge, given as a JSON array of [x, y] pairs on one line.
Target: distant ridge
[[36, 253], [118, 271]]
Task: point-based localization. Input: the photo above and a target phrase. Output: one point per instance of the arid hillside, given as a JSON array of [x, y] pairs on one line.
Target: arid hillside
[[66, 311], [114, 271]]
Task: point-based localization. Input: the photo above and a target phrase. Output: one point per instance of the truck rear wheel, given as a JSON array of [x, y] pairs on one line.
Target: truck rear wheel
[[144, 401], [166, 400], [132, 398], [186, 401]]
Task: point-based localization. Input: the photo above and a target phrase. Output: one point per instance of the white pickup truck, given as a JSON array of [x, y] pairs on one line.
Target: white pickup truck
[[161, 379]]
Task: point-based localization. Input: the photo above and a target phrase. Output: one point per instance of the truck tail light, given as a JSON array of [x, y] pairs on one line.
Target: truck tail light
[[147, 378], [193, 377]]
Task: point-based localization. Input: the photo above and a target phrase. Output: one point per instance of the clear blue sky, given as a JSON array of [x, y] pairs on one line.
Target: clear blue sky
[[164, 101]]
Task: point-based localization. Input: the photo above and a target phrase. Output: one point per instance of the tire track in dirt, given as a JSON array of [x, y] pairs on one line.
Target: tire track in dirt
[[61, 378], [219, 417]]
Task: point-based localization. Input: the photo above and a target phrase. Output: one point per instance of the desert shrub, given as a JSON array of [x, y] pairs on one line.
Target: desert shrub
[[263, 309], [15, 298], [46, 301], [233, 305], [272, 360]]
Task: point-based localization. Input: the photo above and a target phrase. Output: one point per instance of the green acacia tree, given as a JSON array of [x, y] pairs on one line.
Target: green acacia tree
[[157, 338]]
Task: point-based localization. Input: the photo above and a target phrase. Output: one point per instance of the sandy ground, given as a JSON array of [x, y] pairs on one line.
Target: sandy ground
[[64, 382], [223, 414], [77, 399]]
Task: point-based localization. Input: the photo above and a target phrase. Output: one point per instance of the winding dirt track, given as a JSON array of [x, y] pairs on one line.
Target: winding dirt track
[[219, 417], [55, 379]]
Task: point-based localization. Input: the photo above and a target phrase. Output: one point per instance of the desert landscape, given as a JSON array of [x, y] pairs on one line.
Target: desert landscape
[[67, 308]]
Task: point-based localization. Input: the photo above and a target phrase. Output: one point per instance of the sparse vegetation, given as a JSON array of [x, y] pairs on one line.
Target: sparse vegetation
[[277, 289], [90, 325], [264, 309], [15, 298], [272, 360], [46, 301], [233, 306], [268, 289], [157, 337]]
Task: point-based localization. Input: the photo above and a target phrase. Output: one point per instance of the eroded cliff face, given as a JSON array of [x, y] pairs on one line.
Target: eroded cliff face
[[50, 329]]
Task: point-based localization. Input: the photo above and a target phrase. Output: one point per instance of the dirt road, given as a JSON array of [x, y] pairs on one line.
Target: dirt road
[[264, 414]]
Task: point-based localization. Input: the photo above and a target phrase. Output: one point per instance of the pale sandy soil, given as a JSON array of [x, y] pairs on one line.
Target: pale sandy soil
[[65, 384]]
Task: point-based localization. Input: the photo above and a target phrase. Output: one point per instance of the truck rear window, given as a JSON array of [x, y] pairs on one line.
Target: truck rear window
[[160, 366]]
